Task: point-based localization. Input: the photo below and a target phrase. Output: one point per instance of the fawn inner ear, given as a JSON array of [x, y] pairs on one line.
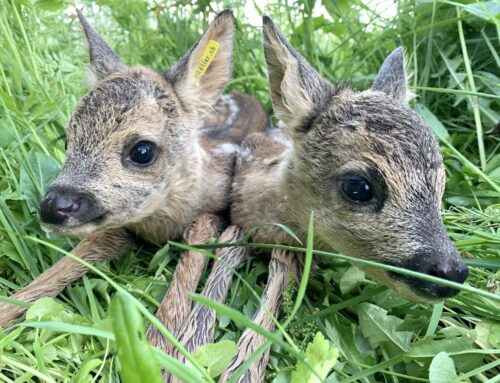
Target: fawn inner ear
[[298, 91], [103, 60], [391, 78], [202, 74]]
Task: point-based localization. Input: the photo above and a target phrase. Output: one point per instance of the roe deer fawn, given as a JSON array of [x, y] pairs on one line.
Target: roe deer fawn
[[147, 153], [364, 162]]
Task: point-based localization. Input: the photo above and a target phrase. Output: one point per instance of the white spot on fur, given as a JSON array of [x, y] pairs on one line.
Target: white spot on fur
[[231, 106], [245, 154], [225, 148], [278, 137]]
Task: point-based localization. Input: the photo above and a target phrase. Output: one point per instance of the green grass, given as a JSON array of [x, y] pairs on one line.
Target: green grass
[[452, 53]]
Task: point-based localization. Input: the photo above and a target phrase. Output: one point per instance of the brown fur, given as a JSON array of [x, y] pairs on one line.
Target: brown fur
[[199, 328], [282, 267], [176, 304]]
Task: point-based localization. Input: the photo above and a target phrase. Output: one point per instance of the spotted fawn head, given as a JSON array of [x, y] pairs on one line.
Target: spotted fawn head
[[131, 135], [368, 166]]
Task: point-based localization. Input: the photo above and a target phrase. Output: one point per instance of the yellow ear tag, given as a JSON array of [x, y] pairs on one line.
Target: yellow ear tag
[[208, 56]]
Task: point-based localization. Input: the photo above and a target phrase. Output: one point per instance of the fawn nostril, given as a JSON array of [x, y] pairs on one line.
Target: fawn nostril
[[438, 271], [57, 207], [461, 272], [444, 264], [67, 204], [455, 271]]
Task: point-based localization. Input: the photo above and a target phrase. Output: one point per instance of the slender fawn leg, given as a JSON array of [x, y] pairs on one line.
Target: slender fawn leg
[[94, 248], [176, 305], [282, 266], [199, 329]]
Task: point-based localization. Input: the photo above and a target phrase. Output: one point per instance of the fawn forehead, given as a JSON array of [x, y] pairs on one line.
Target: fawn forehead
[[388, 137], [124, 104]]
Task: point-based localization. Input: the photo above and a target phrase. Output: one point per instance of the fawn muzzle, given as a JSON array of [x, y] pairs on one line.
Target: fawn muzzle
[[445, 264], [62, 207]]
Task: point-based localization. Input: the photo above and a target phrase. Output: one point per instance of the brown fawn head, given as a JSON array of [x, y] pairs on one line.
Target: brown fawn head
[[132, 131], [368, 166]]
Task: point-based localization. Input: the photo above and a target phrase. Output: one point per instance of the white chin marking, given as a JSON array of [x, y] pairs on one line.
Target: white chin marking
[[400, 287], [72, 231]]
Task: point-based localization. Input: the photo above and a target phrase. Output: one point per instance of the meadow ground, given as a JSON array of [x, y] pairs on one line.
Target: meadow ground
[[452, 49]]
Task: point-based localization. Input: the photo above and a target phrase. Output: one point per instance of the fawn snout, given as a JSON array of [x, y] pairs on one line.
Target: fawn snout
[[69, 207], [445, 264]]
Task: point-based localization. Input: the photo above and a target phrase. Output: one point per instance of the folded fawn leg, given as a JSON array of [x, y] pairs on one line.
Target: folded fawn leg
[[176, 305], [94, 248], [199, 329], [282, 266]]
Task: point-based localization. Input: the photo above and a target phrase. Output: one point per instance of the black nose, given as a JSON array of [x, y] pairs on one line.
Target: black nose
[[59, 206], [455, 271], [446, 265]]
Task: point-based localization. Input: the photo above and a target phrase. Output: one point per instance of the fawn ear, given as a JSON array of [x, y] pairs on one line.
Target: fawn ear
[[298, 92], [391, 78], [103, 60], [203, 72]]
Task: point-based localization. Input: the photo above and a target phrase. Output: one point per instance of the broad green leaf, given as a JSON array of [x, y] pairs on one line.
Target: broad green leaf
[[352, 278], [344, 338], [379, 327], [52, 5], [321, 356], [486, 10], [216, 356], [454, 342], [318, 22], [495, 336], [388, 299], [337, 9], [442, 369], [7, 137], [36, 176], [137, 359], [44, 308], [432, 121], [488, 333]]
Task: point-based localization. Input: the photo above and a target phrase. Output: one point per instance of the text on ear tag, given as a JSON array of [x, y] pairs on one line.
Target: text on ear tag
[[208, 56]]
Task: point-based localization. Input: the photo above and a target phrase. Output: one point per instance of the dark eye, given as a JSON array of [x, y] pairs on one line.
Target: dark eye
[[356, 188], [143, 153]]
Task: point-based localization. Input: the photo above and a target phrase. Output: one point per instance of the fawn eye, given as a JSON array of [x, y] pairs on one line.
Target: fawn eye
[[356, 188], [143, 153]]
